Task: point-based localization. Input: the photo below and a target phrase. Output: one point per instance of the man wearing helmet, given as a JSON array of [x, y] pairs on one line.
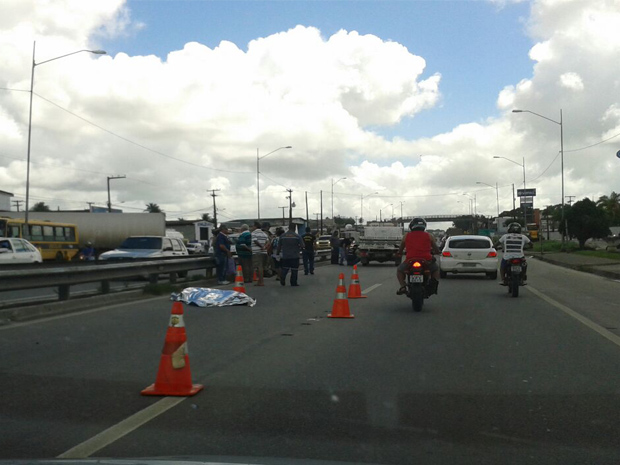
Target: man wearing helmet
[[420, 245], [513, 243]]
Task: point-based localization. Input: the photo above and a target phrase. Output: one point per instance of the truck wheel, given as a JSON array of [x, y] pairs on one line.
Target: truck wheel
[[59, 257]]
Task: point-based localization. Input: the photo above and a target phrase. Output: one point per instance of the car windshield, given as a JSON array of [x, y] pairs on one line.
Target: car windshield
[[469, 244], [141, 243]]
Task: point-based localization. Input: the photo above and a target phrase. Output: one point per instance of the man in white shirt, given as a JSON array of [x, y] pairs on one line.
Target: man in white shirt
[[513, 244], [259, 251]]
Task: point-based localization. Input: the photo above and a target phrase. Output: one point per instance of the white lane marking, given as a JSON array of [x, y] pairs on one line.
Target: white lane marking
[[114, 433], [371, 288], [582, 319]]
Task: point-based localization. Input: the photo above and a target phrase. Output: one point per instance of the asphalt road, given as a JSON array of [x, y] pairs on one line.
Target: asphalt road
[[477, 377]]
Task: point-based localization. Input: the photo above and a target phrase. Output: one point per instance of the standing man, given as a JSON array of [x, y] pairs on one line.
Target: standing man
[[345, 243], [289, 246], [334, 243], [259, 252], [244, 252], [308, 251], [222, 254]]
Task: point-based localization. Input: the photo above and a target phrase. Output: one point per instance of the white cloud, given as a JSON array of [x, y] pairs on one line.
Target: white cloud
[[571, 81]]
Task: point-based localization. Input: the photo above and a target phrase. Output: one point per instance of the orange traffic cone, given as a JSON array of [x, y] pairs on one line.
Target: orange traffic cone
[[255, 277], [355, 290], [239, 287], [174, 377], [341, 304]]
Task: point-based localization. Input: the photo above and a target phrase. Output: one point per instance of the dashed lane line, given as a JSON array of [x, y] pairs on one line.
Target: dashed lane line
[[577, 316], [371, 288], [114, 433]]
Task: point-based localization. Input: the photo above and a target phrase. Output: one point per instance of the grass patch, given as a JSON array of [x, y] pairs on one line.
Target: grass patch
[[554, 246], [599, 253]]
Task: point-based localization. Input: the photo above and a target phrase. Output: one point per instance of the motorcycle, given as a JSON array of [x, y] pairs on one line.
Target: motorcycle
[[516, 269], [420, 286]]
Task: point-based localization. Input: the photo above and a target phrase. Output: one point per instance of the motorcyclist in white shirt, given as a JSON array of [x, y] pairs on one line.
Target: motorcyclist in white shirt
[[513, 243]]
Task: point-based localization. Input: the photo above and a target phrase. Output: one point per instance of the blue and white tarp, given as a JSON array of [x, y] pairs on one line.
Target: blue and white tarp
[[206, 297]]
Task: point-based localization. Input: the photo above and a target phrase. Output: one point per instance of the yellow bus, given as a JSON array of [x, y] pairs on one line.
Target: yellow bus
[[532, 231], [55, 241]]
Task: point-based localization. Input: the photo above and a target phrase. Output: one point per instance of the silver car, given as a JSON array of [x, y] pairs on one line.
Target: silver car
[[468, 254]]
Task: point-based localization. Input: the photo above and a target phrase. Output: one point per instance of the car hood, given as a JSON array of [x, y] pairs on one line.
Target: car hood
[[130, 253]]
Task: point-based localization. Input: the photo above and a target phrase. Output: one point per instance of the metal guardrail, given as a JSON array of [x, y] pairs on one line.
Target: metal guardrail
[[104, 272]]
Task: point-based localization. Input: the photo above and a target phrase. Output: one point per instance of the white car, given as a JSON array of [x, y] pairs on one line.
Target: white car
[[146, 247], [468, 254], [195, 248], [14, 250]]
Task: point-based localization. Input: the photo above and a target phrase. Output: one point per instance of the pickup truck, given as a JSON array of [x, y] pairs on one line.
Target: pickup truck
[[380, 244]]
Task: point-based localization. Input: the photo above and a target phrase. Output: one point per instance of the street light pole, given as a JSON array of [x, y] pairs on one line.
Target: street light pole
[[109, 200], [34, 64], [496, 193], [258, 159], [362, 197], [561, 124], [333, 197], [524, 185]]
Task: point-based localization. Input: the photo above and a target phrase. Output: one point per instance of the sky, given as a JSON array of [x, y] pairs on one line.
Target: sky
[[403, 102]]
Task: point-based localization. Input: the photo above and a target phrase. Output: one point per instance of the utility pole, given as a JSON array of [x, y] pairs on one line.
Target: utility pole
[[90, 206], [290, 205], [17, 203], [570, 199], [307, 214], [283, 217], [514, 206], [110, 201], [317, 220], [213, 191], [321, 212]]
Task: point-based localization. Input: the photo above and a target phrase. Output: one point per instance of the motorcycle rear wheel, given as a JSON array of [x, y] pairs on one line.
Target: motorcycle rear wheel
[[417, 298], [515, 278]]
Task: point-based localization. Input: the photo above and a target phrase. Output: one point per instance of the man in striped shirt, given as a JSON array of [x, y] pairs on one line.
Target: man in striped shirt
[[513, 244]]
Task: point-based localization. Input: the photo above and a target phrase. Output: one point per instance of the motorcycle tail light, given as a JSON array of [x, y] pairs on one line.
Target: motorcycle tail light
[[492, 254], [515, 261], [446, 254], [417, 265]]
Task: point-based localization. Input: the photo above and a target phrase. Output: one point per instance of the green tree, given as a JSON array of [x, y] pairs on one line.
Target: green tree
[[585, 220], [206, 217], [611, 206], [40, 207], [153, 208]]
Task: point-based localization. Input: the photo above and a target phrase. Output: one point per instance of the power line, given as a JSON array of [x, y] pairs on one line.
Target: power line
[[138, 144]]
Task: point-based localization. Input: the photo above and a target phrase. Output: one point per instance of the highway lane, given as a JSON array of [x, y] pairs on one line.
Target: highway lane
[[477, 377]]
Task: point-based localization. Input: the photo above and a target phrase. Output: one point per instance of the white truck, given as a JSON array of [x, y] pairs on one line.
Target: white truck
[[380, 244]]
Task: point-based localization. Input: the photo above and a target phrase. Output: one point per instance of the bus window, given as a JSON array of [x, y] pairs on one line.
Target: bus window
[[36, 233], [14, 231], [59, 233], [3, 228], [69, 234], [48, 233]]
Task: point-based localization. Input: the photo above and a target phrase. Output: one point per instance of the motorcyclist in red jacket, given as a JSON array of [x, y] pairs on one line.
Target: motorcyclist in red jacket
[[421, 245]]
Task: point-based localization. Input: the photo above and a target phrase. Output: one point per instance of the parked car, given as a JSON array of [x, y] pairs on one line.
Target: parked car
[[146, 247], [468, 254], [14, 251], [195, 248]]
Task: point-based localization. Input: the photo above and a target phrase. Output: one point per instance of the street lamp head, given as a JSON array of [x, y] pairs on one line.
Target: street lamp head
[[98, 52], [517, 111], [288, 147], [495, 156]]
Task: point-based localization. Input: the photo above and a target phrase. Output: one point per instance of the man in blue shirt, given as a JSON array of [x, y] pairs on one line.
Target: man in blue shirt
[[289, 246], [222, 254]]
